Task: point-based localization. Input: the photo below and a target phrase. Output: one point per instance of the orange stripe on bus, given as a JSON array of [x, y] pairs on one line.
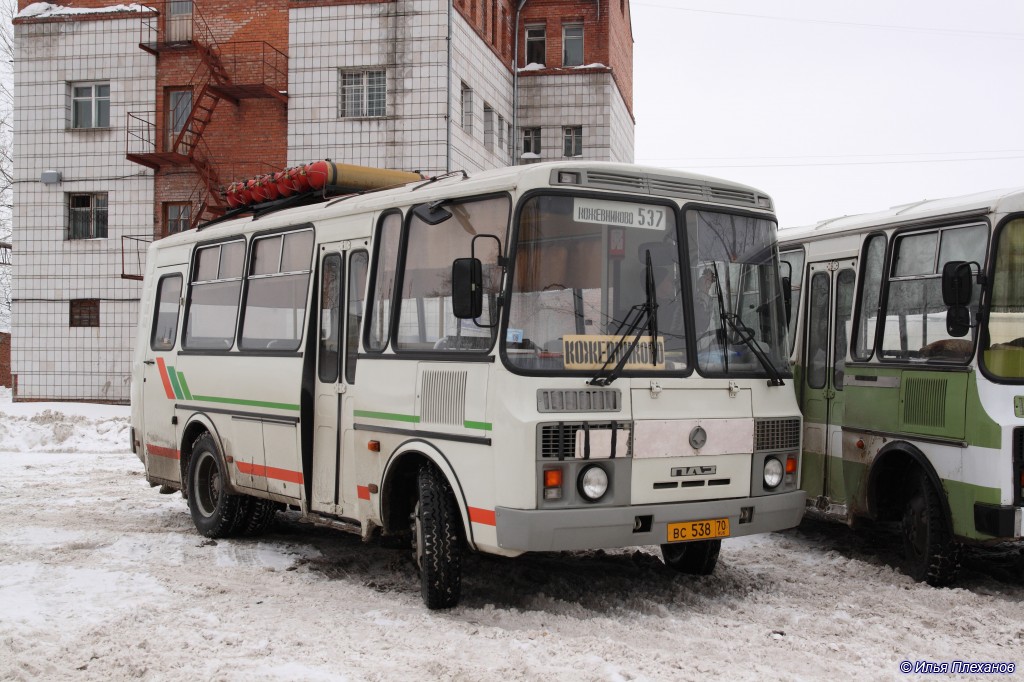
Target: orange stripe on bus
[[163, 377], [169, 453], [363, 491], [482, 516], [270, 472]]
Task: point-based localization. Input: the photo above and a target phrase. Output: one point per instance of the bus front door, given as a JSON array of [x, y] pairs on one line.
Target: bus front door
[[826, 344], [339, 305]]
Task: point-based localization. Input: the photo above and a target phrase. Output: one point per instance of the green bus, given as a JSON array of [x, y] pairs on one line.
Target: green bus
[[907, 333]]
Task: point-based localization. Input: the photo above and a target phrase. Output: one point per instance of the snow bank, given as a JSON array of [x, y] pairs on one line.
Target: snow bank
[[41, 10], [39, 427]]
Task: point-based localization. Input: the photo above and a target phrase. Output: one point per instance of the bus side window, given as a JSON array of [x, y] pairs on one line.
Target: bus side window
[[385, 267], [330, 319], [871, 276], [357, 266], [165, 314]]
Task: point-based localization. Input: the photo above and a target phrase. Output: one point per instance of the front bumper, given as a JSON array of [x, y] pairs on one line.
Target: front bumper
[[552, 530]]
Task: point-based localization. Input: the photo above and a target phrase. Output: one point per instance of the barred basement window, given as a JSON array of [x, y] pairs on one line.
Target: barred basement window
[[87, 216], [362, 93], [90, 105], [84, 312]]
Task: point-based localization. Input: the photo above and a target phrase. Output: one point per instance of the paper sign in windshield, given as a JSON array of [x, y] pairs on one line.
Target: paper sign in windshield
[[620, 214], [590, 352]]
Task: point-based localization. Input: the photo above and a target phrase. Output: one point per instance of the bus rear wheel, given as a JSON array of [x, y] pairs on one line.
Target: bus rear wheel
[[693, 558], [931, 554], [215, 512], [437, 542]]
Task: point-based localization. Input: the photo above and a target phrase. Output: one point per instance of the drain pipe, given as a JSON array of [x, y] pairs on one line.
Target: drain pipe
[[515, 86], [448, 90]]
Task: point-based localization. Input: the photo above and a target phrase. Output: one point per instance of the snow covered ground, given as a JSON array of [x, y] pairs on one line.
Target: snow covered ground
[[102, 578]]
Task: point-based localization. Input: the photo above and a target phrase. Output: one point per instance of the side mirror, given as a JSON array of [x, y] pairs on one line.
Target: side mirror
[[957, 283], [433, 213], [958, 321], [467, 288]]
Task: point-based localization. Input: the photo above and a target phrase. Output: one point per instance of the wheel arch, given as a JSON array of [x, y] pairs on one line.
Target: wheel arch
[[888, 475], [399, 481], [196, 424]]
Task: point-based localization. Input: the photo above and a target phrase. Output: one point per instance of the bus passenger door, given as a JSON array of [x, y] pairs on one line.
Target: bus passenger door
[[829, 309], [161, 383], [339, 307]]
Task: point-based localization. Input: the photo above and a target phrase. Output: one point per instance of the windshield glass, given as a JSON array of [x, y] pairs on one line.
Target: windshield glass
[[738, 309], [1004, 355], [580, 270]]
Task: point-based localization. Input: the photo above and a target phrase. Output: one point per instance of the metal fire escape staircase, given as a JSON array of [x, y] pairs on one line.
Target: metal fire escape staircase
[[259, 70]]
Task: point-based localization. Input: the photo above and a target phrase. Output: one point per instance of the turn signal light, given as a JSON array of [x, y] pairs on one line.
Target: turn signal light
[[373, 446], [791, 465], [552, 484]]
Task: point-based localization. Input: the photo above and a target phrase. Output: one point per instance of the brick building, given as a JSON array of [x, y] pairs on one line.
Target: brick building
[[131, 119]]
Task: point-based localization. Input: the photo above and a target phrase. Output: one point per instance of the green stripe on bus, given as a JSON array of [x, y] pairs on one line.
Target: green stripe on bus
[[174, 381], [390, 416], [247, 403], [486, 426], [184, 386]]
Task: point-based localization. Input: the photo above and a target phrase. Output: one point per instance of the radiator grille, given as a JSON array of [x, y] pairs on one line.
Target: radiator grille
[[443, 397], [924, 403], [582, 400], [776, 434], [553, 439]]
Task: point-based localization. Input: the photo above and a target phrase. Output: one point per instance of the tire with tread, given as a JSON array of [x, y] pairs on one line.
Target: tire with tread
[[437, 540], [931, 554], [215, 512], [260, 517], [698, 557]]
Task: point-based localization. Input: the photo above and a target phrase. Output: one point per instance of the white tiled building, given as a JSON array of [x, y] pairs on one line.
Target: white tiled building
[[371, 83]]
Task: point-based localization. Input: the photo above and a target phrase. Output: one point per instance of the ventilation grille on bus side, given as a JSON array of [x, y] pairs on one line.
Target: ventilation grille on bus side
[[776, 434], [666, 186], [443, 397], [924, 402], [579, 400], [553, 439]]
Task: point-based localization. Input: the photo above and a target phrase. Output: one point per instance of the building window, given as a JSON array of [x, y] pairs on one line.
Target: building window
[[488, 126], [501, 133], [572, 45], [84, 312], [362, 93], [87, 216], [467, 108], [531, 141], [90, 105], [536, 45], [177, 216], [510, 139], [572, 141]]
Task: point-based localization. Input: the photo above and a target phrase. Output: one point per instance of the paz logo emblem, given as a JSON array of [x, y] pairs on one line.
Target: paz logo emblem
[[698, 437]]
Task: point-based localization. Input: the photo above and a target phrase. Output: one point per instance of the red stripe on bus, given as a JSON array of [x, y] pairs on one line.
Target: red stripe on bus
[[482, 516], [363, 491], [164, 378], [169, 453], [270, 472]]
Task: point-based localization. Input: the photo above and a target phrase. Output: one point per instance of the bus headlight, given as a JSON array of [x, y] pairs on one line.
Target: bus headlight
[[593, 482], [773, 473]]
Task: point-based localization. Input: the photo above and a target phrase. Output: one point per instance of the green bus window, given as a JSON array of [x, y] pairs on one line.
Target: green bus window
[[817, 331], [864, 333], [844, 307], [1004, 355]]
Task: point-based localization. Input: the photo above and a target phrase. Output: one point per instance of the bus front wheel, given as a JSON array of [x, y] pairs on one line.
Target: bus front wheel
[[693, 558], [437, 542], [930, 552], [215, 512]]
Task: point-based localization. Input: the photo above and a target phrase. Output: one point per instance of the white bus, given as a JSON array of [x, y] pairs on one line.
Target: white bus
[[548, 357], [910, 363]]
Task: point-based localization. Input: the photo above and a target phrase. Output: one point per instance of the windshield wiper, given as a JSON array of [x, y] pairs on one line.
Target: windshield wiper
[[744, 334], [635, 319]]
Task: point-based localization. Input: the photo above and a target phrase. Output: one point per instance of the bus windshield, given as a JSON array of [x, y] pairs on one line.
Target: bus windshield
[[581, 276], [740, 320], [1004, 356]]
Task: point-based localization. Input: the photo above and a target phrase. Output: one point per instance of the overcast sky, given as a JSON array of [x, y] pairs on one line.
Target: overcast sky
[[833, 108]]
